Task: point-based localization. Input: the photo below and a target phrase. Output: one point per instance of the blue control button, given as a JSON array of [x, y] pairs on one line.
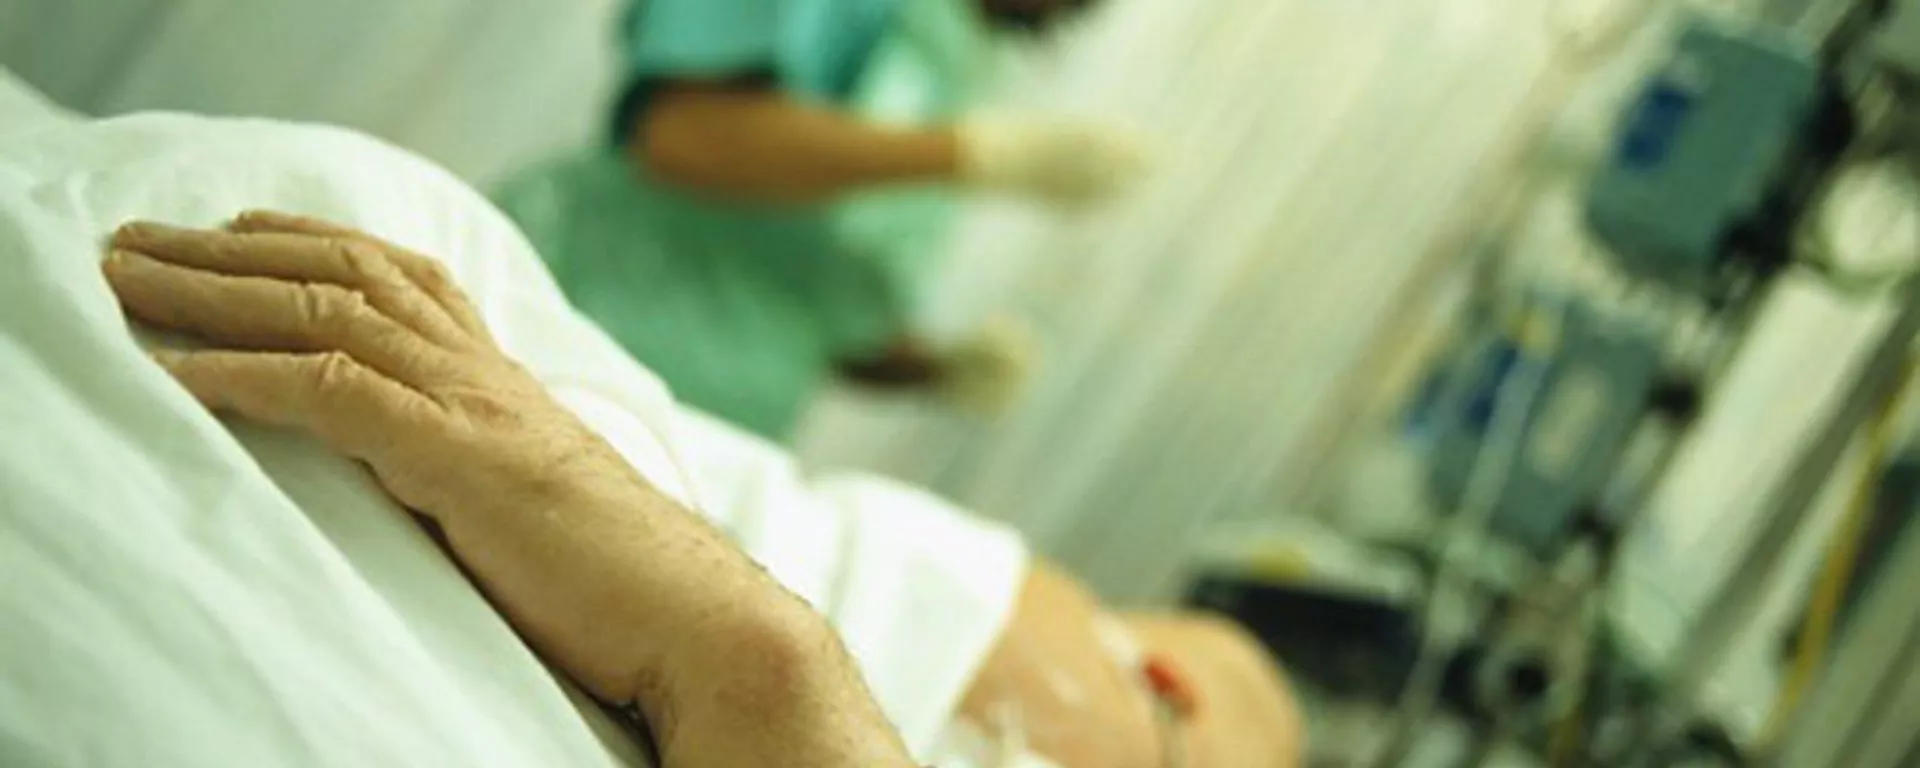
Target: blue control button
[[1656, 124]]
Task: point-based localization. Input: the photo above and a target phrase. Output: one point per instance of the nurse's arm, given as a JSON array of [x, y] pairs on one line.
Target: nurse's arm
[[754, 143]]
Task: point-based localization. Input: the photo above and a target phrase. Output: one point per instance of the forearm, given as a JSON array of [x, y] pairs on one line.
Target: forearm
[[760, 145], [634, 596], [644, 603]]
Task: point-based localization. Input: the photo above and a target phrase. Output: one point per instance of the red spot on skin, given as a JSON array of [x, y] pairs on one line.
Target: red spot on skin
[[1172, 686]]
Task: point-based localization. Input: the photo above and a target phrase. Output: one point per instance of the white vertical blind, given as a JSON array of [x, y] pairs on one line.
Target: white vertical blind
[[1312, 153]]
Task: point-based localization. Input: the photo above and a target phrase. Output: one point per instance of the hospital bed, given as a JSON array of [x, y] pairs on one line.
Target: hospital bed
[[179, 591]]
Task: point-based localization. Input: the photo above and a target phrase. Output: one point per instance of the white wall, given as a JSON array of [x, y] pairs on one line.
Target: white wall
[[482, 86]]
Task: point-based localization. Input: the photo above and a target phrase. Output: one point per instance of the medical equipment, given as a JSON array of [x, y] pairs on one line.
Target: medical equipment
[[1600, 376], [1845, 562], [1717, 160], [1710, 196], [1864, 711], [1793, 496]]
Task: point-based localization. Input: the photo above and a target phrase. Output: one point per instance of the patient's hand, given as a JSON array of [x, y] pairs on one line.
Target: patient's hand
[[373, 349]]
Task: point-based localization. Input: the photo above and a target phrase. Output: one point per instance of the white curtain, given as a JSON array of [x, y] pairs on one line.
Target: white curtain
[[1314, 157]]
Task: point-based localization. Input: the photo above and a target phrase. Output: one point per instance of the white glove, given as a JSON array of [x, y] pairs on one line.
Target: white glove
[[1065, 164], [987, 374]]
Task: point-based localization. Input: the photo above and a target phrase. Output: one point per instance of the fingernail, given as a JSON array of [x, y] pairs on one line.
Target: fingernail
[[139, 231], [120, 258], [128, 231], [167, 358], [258, 216]]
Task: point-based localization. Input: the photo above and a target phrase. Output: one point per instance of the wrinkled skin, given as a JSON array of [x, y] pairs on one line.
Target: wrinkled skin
[[372, 349]]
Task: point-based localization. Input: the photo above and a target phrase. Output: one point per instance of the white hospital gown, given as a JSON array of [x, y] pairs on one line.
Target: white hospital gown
[[179, 591]]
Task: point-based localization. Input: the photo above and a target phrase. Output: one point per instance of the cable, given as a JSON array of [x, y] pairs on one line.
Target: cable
[[1513, 407], [1719, 624], [1841, 560]]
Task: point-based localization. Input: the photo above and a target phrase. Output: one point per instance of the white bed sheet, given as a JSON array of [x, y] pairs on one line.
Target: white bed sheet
[[179, 591]]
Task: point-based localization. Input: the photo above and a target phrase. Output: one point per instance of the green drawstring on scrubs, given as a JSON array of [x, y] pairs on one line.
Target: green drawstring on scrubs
[[742, 308]]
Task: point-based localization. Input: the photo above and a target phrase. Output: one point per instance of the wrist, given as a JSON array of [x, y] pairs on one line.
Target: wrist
[[770, 685], [920, 155], [978, 153]]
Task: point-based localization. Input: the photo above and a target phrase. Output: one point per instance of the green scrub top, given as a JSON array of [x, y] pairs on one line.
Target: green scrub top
[[744, 308], [818, 48]]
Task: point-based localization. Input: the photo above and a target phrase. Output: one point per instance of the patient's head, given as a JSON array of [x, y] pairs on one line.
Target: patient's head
[[1031, 15]]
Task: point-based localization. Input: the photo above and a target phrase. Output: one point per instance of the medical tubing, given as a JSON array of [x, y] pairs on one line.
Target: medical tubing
[[1513, 404]]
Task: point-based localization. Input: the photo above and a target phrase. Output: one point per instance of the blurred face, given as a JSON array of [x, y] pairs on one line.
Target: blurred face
[[1030, 15]]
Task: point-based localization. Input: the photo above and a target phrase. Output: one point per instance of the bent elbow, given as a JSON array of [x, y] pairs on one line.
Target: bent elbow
[[669, 147]]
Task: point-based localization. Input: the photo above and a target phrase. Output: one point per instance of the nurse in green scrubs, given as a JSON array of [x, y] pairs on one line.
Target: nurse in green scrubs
[[715, 237]]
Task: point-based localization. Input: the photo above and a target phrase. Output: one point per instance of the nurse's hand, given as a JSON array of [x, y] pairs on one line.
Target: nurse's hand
[[371, 348], [1061, 163], [987, 374]]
